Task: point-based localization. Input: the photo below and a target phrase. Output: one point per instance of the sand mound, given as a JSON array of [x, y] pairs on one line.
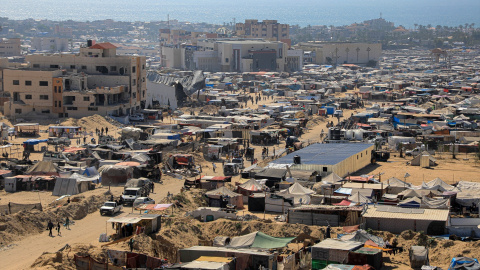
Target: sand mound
[[89, 123], [64, 258], [25, 223]]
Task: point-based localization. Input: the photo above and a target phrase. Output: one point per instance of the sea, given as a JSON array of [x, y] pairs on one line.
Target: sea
[[294, 12]]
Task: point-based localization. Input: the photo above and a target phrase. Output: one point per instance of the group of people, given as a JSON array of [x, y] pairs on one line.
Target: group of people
[[51, 226], [100, 132]]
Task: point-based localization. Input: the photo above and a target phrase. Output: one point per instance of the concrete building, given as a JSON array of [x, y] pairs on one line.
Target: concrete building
[[240, 55], [10, 47], [268, 30], [96, 81], [340, 158], [52, 44], [337, 53]]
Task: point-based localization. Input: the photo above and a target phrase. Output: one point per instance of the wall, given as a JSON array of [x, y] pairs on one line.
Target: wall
[[162, 93]]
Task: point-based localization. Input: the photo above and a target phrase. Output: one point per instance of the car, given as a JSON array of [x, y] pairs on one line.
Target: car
[[338, 113], [240, 162], [110, 208], [138, 117], [143, 200]]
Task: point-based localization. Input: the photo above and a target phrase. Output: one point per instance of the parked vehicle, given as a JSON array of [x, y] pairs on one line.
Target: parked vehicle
[[58, 141], [338, 113], [137, 117], [110, 208], [143, 200], [135, 188], [240, 163], [230, 169]]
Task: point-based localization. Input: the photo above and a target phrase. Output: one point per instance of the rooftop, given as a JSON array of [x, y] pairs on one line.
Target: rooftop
[[393, 212], [324, 154]]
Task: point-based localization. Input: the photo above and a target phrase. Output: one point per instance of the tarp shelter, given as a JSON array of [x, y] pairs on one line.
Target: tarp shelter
[[329, 183], [115, 175], [43, 167], [333, 251], [260, 240], [362, 236], [418, 256], [248, 188], [464, 263], [395, 185], [155, 207], [150, 222], [272, 175], [69, 186], [438, 184], [416, 161], [413, 202], [215, 197], [467, 197], [358, 198]]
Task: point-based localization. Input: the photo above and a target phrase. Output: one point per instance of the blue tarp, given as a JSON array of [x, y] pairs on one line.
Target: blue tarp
[[294, 86], [34, 141], [347, 191], [464, 263]]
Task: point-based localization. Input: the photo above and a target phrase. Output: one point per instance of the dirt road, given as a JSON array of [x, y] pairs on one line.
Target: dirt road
[[86, 231]]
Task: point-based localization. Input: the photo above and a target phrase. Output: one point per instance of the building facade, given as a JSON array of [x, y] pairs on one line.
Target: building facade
[[96, 81], [267, 29], [337, 53], [53, 44], [10, 47]]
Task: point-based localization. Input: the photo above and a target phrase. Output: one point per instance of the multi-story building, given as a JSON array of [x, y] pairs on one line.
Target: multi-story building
[[96, 81], [52, 44], [10, 47], [267, 29], [240, 55], [336, 53]]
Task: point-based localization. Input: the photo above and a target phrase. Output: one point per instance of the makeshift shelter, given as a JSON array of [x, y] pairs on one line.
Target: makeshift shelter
[[218, 197], [409, 193], [328, 184], [115, 175], [69, 186], [43, 168], [273, 175], [298, 193], [468, 197], [256, 202], [438, 184], [259, 240], [464, 263], [413, 202], [362, 236], [434, 203], [366, 256], [248, 188], [417, 160], [358, 198], [124, 225], [332, 251], [395, 185], [418, 256]]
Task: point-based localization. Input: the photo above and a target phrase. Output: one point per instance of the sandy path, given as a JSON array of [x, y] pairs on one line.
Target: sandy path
[[85, 231]]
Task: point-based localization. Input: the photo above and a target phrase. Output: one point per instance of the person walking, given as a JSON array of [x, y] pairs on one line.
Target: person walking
[[67, 223], [214, 166], [58, 229], [327, 234], [50, 227], [106, 131], [130, 244]]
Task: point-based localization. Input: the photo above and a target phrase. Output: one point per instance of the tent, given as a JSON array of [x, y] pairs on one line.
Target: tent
[[259, 240], [438, 184], [358, 198], [413, 202], [298, 193], [248, 188], [395, 185], [362, 236], [69, 186], [115, 175], [43, 168], [215, 197], [327, 182], [416, 161], [464, 263]]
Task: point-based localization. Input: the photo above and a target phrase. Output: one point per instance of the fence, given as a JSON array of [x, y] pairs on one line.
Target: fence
[[131, 259], [12, 208]]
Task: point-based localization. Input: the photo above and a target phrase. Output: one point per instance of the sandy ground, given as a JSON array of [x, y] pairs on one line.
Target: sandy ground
[[22, 253]]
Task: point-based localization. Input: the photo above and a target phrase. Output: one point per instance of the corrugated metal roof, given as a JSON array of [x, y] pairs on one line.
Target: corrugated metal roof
[[392, 212], [324, 154]]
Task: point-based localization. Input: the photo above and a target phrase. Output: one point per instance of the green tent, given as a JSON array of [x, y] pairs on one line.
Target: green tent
[[267, 242]]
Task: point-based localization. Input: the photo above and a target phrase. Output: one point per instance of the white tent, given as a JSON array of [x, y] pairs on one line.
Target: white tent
[[438, 184], [296, 190], [358, 198]]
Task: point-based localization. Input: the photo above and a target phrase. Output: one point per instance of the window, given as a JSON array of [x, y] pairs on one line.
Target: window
[[226, 60], [53, 66], [86, 98], [43, 83], [28, 83], [55, 89], [16, 82], [134, 69], [59, 89], [43, 97], [59, 104], [325, 169], [93, 109], [72, 66], [28, 96], [36, 65], [143, 66], [134, 81], [18, 111], [71, 108], [89, 53], [55, 103], [113, 68], [84, 67], [45, 111]]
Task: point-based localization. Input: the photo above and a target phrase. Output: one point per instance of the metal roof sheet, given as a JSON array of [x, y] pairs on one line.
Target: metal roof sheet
[[338, 244], [392, 212], [324, 154]]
